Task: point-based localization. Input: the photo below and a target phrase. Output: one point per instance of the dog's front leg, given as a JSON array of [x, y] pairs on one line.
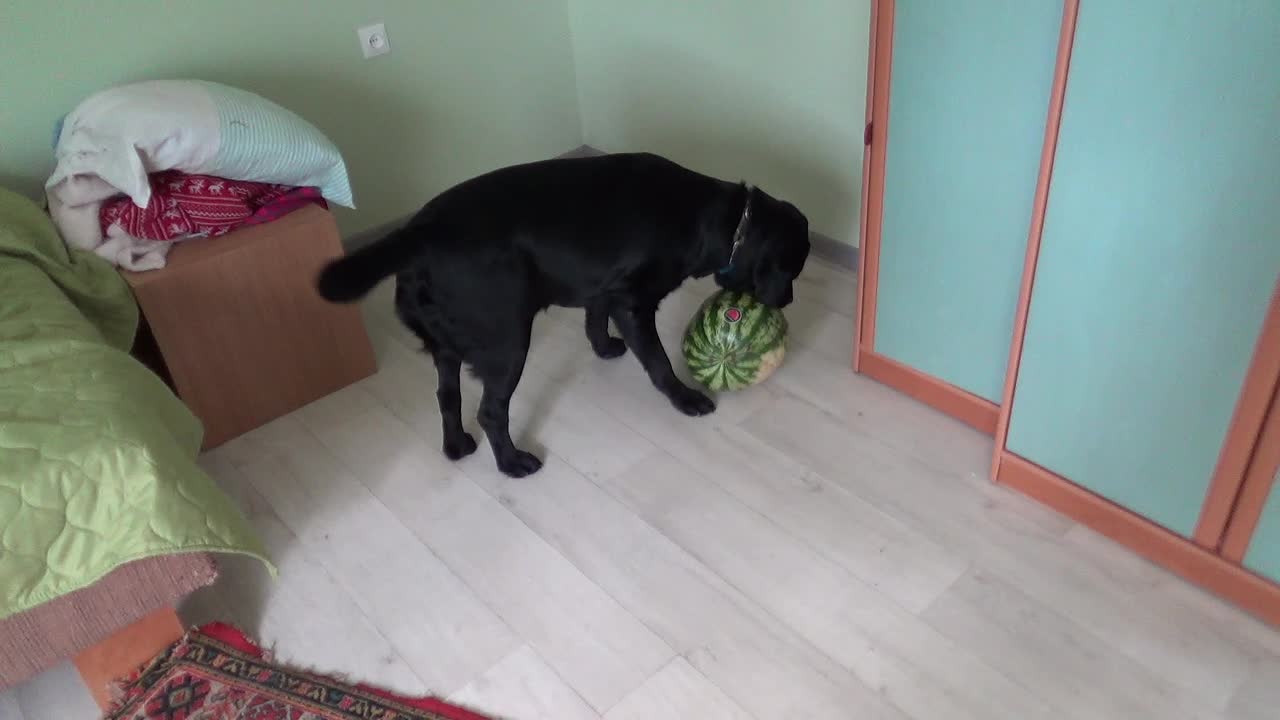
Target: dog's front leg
[[603, 344], [639, 330]]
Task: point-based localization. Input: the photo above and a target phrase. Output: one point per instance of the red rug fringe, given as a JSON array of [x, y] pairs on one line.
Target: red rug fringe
[[231, 635]]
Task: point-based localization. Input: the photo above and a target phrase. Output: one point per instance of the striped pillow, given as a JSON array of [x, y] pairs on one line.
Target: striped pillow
[[264, 142]]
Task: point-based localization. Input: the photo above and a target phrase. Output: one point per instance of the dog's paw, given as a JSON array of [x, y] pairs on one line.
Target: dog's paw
[[691, 402], [613, 348], [519, 464], [459, 447]]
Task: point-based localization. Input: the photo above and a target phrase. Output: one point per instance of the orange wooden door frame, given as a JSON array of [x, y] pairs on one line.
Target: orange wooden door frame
[[868, 152], [879, 67]]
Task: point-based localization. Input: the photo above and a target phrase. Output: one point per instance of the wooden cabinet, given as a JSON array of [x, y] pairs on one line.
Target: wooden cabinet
[[1140, 358], [242, 331]]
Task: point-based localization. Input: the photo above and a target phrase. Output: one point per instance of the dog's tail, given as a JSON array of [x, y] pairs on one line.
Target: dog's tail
[[349, 278]]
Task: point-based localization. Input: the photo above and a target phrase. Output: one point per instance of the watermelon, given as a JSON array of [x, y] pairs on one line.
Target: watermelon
[[734, 341]]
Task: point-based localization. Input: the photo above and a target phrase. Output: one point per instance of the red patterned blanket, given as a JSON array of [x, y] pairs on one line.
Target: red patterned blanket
[[185, 205]]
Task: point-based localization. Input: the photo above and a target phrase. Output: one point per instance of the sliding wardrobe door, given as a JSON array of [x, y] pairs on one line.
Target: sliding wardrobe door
[[968, 95], [1160, 250]]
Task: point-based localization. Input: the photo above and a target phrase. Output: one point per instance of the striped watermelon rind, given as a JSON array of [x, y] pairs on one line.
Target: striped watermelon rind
[[730, 355]]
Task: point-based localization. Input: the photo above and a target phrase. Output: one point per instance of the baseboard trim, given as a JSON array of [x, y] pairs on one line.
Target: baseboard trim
[[582, 151], [977, 412], [1154, 542], [840, 254], [837, 253]]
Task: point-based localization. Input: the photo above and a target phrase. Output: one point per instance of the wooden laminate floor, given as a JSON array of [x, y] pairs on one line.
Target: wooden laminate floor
[[819, 548]]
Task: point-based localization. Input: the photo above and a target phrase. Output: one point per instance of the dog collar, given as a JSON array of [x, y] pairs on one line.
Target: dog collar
[[739, 234]]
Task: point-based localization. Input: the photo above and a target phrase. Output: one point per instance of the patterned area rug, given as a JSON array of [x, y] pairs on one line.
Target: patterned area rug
[[216, 673]]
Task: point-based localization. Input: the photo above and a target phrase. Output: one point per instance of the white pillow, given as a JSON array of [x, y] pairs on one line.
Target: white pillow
[[123, 133]]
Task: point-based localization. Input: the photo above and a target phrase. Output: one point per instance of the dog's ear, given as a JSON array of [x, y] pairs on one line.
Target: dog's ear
[[783, 249], [772, 283]]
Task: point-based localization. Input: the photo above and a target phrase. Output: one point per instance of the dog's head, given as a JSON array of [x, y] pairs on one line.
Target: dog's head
[[775, 245]]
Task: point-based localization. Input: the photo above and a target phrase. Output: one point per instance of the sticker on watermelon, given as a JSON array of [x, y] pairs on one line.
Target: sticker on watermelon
[[734, 341]]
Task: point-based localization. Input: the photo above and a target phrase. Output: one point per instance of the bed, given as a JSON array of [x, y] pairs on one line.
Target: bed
[[104, 513]]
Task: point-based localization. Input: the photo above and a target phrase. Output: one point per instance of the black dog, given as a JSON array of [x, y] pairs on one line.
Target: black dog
[[614, 234]]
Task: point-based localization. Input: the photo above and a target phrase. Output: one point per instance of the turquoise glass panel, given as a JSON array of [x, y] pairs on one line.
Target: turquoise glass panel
[[1264, 548], [1160, 251], [969, 95]]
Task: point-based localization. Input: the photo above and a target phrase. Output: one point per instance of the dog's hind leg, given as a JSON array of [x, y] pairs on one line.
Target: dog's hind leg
[[458, 443], [500, 378], [604, 345], [416, 310]]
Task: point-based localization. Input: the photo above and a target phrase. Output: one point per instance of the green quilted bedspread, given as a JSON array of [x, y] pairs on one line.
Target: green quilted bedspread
[[97, 456]]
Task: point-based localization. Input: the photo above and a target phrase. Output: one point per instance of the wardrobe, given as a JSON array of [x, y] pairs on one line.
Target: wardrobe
[[1071, 241]]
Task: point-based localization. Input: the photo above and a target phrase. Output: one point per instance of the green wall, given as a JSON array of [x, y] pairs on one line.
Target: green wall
[[469, 85], [736, 89], [770, 90]]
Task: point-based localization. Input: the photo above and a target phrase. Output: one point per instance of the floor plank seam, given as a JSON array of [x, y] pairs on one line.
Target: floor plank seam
[[737, 590], [303, 547]]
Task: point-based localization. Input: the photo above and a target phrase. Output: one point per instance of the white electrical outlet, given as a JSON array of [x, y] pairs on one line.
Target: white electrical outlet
[[373, 40]]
